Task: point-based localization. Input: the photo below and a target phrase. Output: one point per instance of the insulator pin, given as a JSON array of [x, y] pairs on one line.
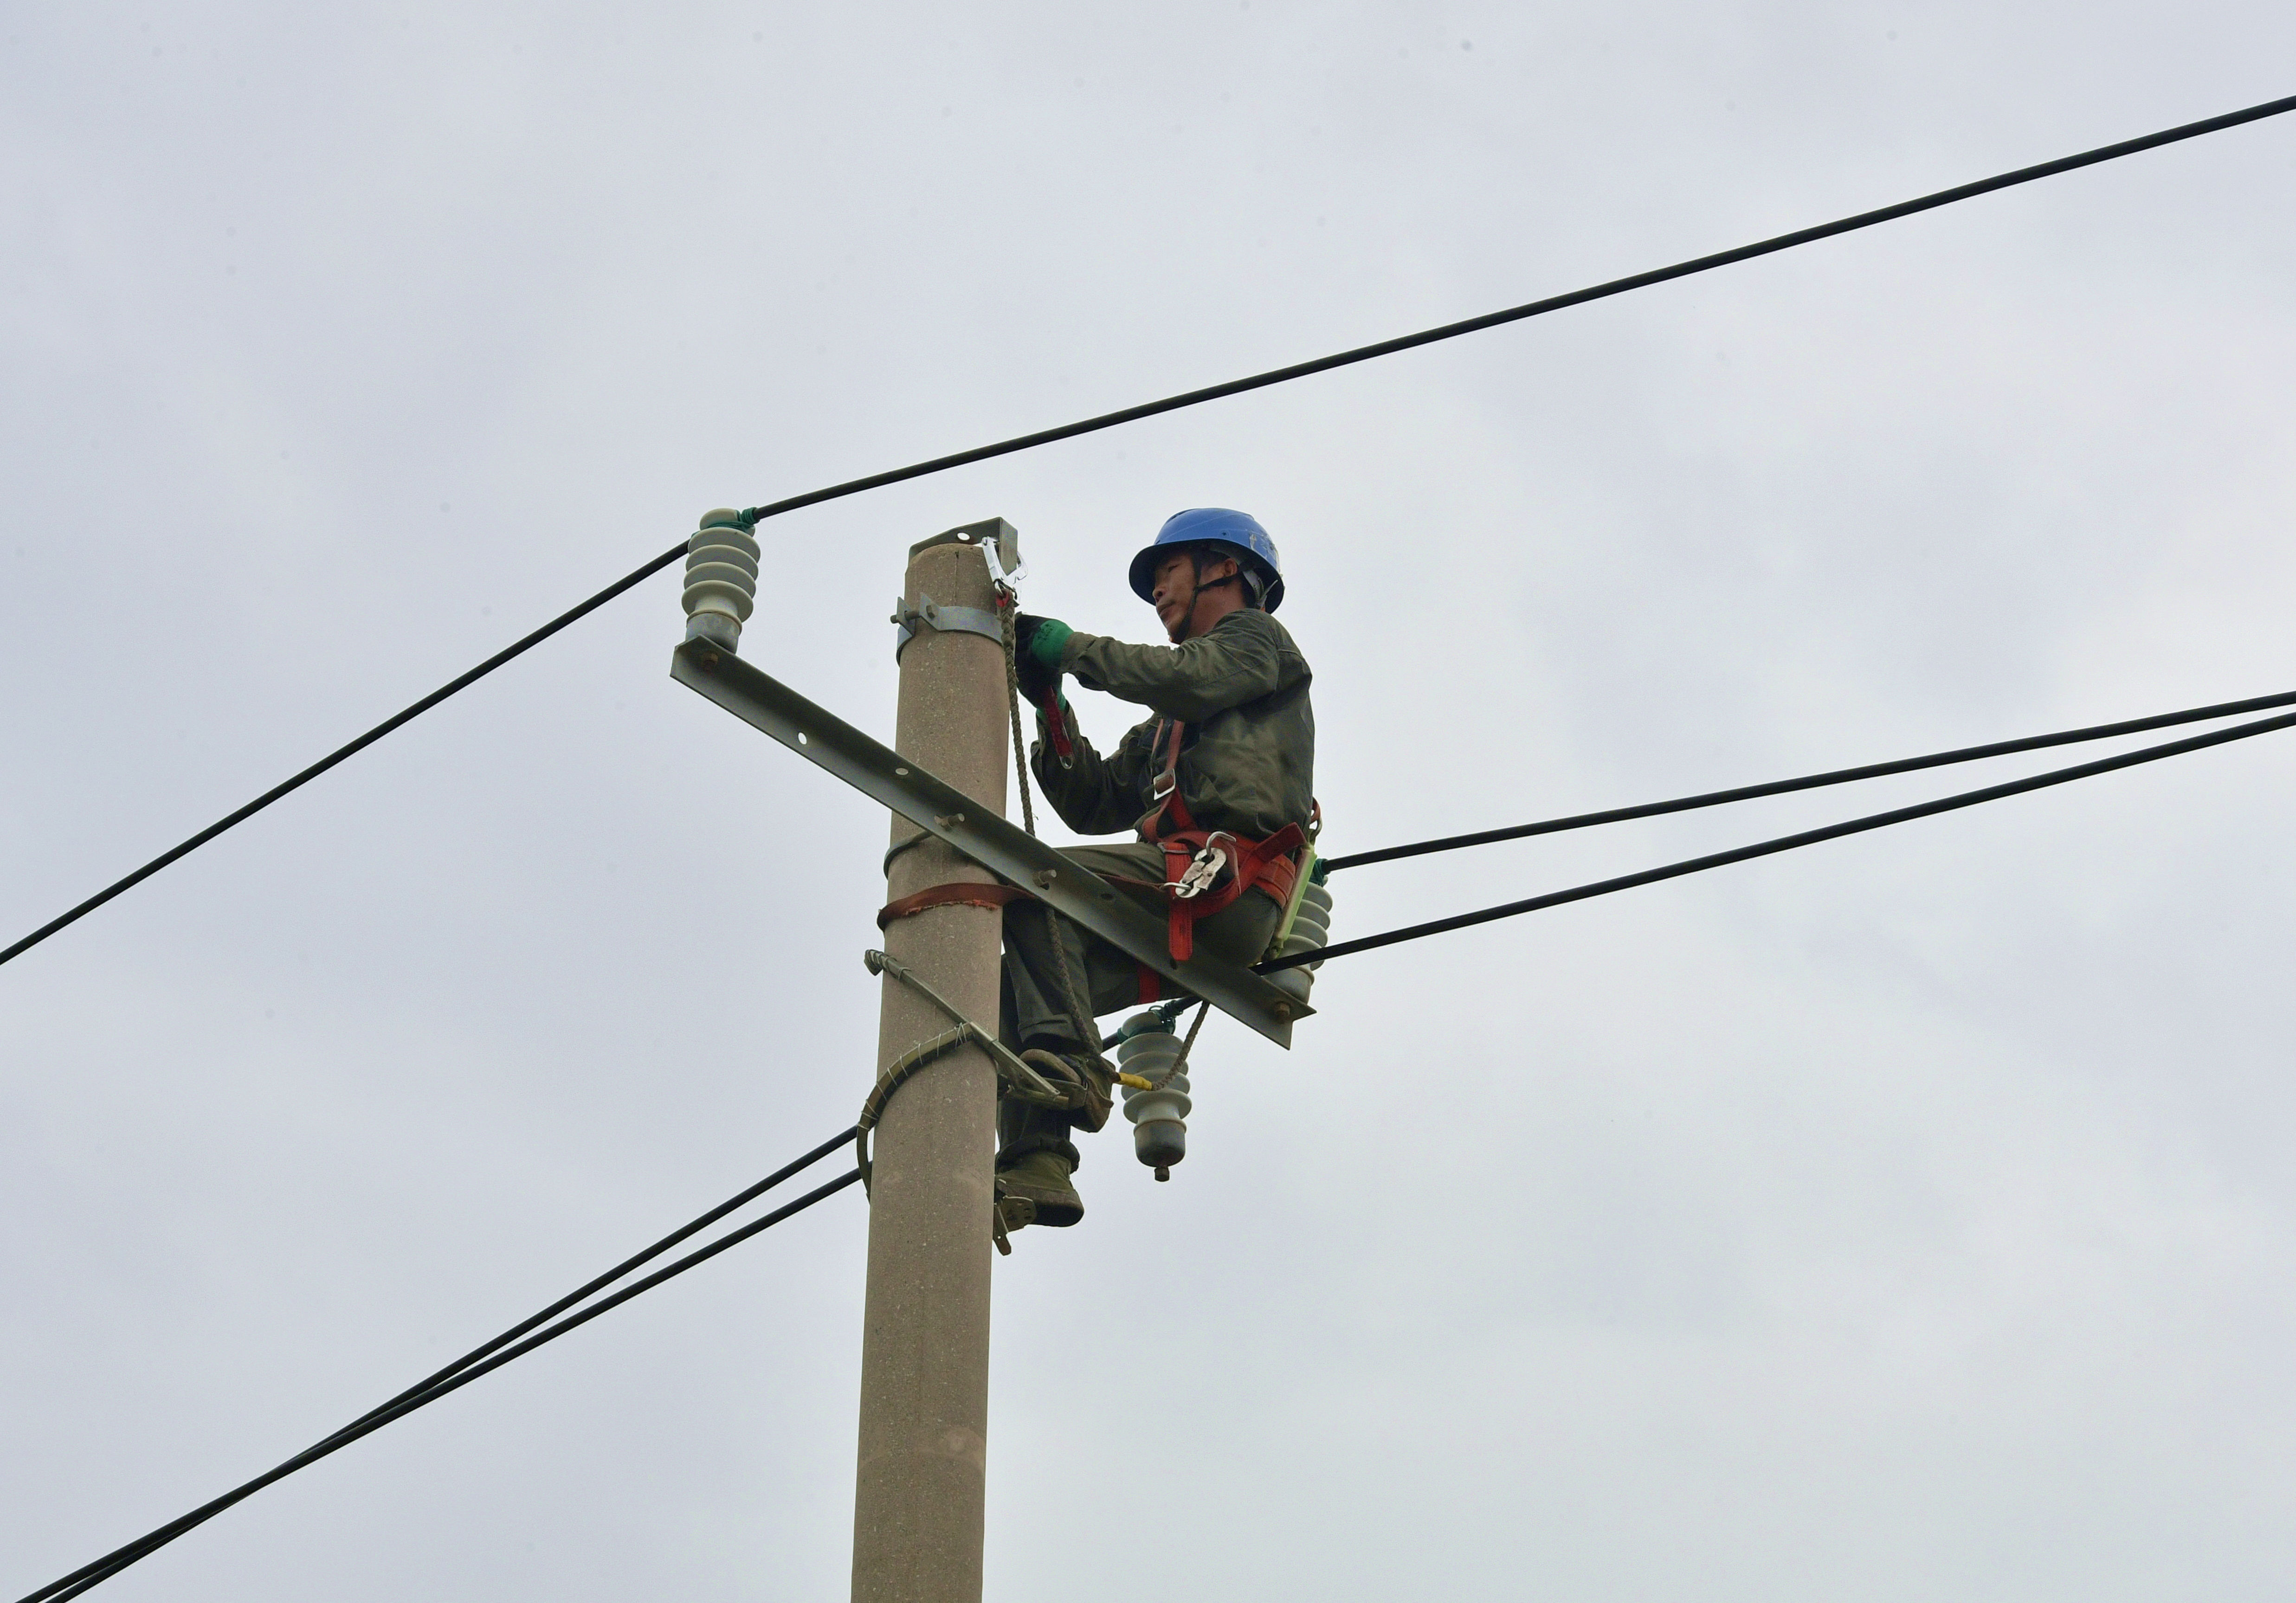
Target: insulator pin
[[721, 578]]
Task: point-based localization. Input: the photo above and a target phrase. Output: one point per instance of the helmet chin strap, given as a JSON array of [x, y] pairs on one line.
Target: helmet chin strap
[[1196, 588], [1187, 617]]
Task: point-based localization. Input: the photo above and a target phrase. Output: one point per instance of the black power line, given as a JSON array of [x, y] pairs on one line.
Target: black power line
[[1784, 843], [1839, 776], [407, 715], [492, 1355], [1535, 308], [480, 1360], [1193, 397]]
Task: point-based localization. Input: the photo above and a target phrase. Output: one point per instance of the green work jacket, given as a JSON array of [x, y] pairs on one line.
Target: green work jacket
[[1247, 756]]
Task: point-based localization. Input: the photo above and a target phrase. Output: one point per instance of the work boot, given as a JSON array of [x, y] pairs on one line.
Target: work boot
[[1040, 1179], [1083, 1078]]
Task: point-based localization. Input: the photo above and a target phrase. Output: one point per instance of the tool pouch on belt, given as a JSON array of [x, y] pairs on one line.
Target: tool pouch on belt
[[1207, 870]]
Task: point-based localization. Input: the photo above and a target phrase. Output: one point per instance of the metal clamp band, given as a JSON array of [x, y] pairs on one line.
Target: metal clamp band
[[930, 614]]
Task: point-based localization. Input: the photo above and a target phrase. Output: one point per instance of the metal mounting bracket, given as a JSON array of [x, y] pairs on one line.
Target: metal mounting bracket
[[928, 615], [997, 540], [762, 701]]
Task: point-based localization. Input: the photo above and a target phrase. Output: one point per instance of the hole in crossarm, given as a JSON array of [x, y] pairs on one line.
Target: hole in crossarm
[[800, 738]]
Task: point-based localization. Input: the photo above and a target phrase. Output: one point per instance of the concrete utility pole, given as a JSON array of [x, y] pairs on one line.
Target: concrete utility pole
[[918, 1511]]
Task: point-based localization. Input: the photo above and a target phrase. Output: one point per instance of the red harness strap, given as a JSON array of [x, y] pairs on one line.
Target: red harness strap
[[1056, 725], [1267, 865]]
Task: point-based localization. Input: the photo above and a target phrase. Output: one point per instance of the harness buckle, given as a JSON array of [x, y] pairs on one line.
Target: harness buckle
[[1203, 872], [1168, 776]]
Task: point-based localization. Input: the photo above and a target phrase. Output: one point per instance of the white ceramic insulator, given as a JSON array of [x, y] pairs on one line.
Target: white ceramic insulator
[[721, 578], [1311, 929], [1160, 1115]]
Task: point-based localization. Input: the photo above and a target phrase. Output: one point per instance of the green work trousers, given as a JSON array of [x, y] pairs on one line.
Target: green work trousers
[[1034, 1011]]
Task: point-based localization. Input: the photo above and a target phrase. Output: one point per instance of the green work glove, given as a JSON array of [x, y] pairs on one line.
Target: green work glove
[[1041, 640]]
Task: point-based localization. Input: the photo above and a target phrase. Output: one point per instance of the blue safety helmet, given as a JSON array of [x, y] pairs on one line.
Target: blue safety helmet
[[1238, 532]]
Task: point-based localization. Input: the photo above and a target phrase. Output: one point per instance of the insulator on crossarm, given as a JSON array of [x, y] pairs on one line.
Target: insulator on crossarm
[[1310, 931], [1147, 1047], [721, 578]]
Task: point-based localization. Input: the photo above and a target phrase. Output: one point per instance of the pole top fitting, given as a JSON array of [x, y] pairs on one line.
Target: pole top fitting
[[998, 541]]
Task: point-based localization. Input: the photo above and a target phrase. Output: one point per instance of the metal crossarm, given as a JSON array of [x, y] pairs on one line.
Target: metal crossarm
[[759, 699]]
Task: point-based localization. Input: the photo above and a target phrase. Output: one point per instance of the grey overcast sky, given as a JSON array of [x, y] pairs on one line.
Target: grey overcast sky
[[1905, 1218]]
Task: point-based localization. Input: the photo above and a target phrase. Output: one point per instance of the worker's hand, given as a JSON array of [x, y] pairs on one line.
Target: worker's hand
[[1038, 684], [1042, 639]]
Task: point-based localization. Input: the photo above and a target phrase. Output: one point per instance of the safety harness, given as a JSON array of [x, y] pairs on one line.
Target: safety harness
[[1207, 870]]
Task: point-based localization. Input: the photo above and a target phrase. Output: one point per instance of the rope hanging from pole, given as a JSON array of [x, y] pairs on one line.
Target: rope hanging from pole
[[1188, 1045], [1079, 1008]]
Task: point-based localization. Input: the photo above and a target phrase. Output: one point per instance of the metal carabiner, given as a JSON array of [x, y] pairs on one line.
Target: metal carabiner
[[1201, 875]]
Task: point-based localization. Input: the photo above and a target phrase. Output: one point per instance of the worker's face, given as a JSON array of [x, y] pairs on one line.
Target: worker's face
[[1174, 591], [1177, 591]]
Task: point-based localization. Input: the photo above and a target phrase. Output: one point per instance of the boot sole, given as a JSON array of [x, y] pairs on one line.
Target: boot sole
[[1056, 1209]]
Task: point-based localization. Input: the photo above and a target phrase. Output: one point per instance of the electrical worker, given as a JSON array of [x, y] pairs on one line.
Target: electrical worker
[[1217, 785]]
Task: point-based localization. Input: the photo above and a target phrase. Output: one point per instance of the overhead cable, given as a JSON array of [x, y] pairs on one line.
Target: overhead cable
[[518, 648], [481, 1360], [1839, 776], [1784, 843], [1535, 308], [1193, 397]]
